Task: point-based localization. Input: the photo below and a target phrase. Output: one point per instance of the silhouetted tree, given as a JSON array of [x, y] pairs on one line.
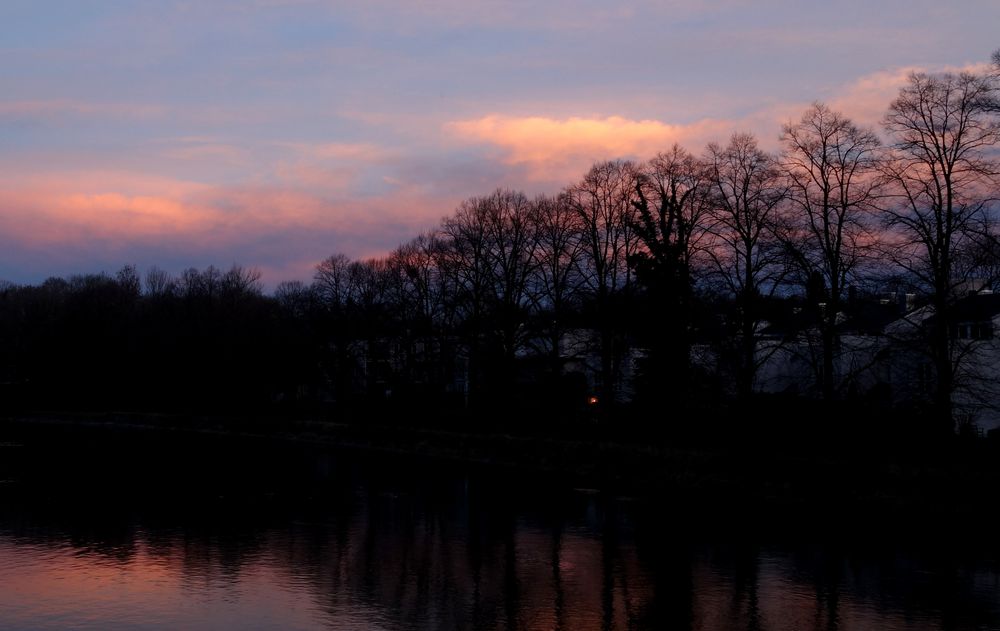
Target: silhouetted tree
[[603, 204], [240, 282], [832, 168], [419, 292], [294, 296], [671, 195], [489, 260], [943, 131], [744, 214], [557, 278], [465, 264], [425, 318], [128, 280], [158, 282], [332, 281], [512, 240]]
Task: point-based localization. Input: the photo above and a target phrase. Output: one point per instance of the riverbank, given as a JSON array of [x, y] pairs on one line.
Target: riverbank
[[721, 481]]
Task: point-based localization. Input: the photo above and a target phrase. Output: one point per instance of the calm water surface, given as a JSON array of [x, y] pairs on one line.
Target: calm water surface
[[215, 537]]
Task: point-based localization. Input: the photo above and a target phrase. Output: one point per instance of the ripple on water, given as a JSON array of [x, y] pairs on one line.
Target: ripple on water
[[405, 561]]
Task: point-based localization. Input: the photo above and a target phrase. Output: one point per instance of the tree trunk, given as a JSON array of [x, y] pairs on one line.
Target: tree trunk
[[749, 350], [830, 343], [942, 412], [607, 365]]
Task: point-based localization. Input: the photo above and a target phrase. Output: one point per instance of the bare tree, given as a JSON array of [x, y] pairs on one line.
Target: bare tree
[[512, 240], [556, 272], [332, 281], [128, 280], [603, 203], [419, 294], [197, 285], [369, 285], [480, 263], [420, 303], [492, 242], [158, 282], [944, 130], [746, 193], [671, 210], [834, 182], [241, 282], [465, 260], [295, 297], [332, 284], [465, 266]]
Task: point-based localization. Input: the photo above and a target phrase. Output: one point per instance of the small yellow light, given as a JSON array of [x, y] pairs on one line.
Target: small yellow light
[[591, 400]]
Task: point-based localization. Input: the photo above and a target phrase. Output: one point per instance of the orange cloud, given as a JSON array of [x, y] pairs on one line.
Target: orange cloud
[[216, 216], [559, 148], [47, 219], [120, 215], [556, 150]]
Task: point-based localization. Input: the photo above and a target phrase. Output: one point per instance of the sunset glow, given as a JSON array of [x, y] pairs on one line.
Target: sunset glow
[[274, 133]]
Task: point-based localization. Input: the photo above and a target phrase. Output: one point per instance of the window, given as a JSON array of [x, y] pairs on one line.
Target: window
[[973, 331]]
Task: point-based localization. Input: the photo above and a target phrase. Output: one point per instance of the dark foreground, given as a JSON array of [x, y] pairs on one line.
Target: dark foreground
[[106, 528], [837, 483]]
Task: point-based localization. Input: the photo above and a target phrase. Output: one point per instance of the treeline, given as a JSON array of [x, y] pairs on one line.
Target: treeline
[[99, 342], [607, 292]]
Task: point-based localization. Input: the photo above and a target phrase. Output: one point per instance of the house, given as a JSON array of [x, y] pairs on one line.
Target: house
[[975, 355], [882, 347]]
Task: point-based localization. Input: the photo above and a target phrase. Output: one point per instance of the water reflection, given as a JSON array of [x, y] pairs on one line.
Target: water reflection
[[362, 546]]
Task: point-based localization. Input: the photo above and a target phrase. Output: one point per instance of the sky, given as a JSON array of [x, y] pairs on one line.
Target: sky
[[274, 133]]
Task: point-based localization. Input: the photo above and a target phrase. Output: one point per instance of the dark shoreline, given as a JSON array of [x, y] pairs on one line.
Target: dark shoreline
[[718, 483]]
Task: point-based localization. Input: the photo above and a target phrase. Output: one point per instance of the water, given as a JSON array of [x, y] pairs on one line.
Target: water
[[167, 536]]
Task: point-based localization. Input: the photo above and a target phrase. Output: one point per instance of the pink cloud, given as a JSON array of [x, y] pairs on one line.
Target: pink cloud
[[47, 217], [867, 98], [329, 169], [76, 218]]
